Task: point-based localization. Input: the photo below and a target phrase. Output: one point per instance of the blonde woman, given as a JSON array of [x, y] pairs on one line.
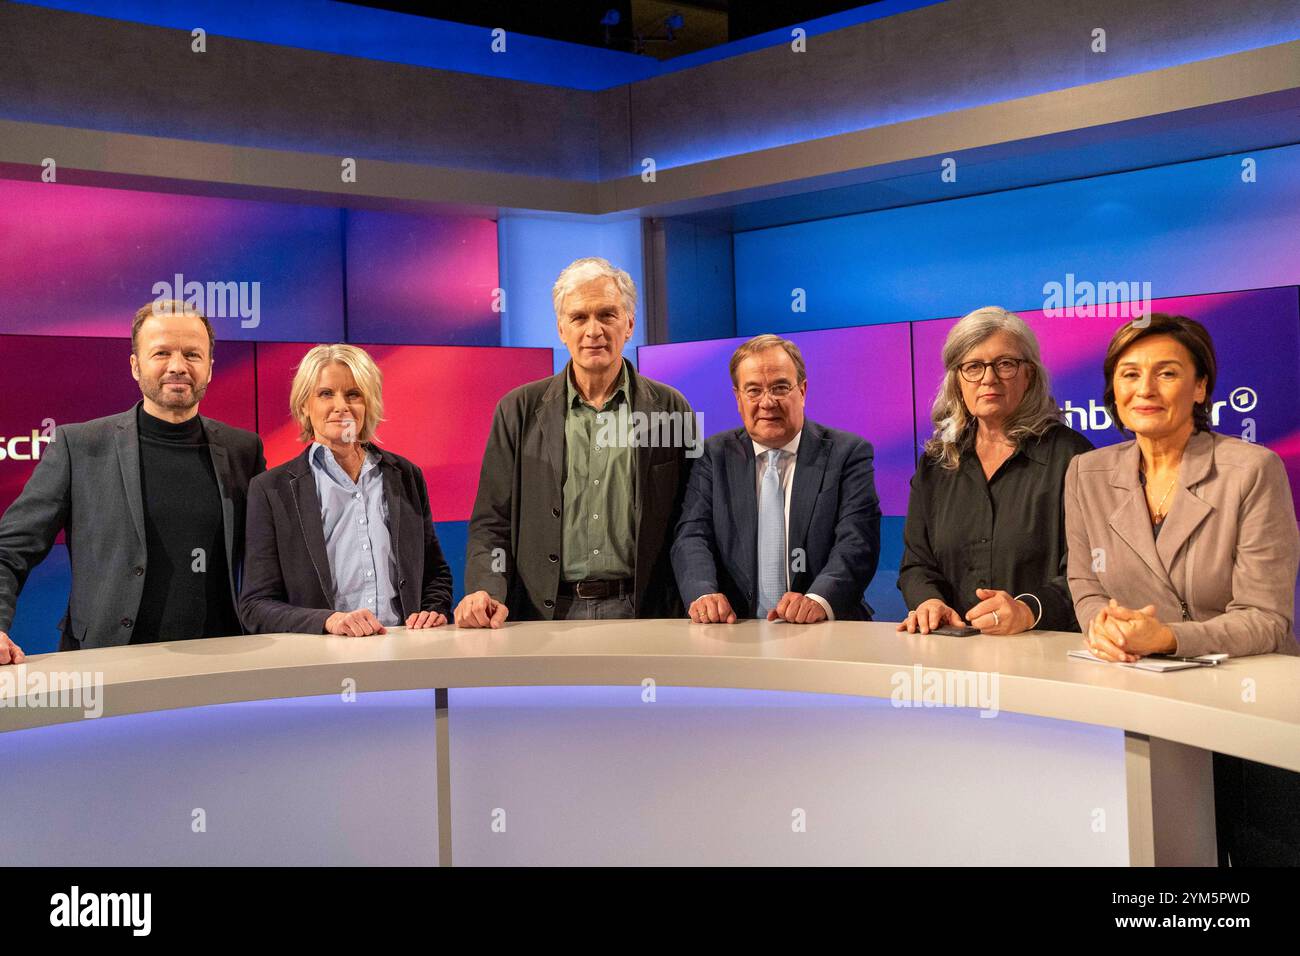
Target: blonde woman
[[984, 543], [340, 539]]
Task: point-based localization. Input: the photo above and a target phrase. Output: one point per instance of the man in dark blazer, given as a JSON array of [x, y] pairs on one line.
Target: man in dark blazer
[[152, 500], [781, 519], [575, 505]]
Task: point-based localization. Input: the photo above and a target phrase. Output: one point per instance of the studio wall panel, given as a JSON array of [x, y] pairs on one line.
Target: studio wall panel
[[859, 380], [79, 260], [1188, 229], [1256, 340], [422, 280], [438, 405], [56, 380]]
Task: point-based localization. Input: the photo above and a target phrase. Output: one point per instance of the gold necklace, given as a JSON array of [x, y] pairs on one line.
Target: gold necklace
[[1159, 514]]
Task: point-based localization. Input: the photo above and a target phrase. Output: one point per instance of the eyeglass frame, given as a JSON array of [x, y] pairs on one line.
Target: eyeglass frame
[[960, 368], [767, 390]]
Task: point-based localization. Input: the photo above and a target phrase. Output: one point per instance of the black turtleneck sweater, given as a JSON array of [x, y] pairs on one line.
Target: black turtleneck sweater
[[187, 582]]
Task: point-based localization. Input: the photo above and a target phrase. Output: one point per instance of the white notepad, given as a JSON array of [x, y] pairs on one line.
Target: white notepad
[[1151, 663]]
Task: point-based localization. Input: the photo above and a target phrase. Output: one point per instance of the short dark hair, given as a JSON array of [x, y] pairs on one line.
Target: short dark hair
[[170, 307], [1190, 333]]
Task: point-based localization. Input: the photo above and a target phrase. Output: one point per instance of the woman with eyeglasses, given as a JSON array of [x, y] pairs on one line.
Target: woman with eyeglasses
[[984, 543]]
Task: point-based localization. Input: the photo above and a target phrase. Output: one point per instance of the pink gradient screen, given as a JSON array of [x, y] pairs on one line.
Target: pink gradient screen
[[438, 404]]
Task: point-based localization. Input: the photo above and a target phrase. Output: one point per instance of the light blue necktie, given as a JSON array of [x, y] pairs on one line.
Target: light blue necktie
[[771, 537]]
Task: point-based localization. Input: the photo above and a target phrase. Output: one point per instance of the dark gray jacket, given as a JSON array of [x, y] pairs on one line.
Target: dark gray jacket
[[87, 483], [288, 582], [521, 496]]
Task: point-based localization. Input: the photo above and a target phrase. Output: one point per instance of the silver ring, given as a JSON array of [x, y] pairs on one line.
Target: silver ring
[[997, 622]]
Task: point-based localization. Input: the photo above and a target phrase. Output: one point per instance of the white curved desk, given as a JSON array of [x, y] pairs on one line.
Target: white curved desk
[[772, 684]]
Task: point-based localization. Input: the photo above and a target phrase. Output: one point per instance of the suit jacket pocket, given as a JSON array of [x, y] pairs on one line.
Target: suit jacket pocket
[[74, 630]]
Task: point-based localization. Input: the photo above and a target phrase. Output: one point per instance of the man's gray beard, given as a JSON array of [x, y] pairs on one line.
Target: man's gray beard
[[155, 392]]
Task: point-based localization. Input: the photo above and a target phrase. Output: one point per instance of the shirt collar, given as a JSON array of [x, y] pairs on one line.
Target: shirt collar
[[1034, 448], [322, 458], [571, 390], [792, 446]]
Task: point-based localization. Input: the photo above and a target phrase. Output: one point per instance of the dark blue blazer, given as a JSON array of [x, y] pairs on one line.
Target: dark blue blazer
[[834, 533]]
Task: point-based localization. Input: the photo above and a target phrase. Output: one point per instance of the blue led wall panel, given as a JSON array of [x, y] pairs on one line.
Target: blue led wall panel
[[534, 249], [1186, 229]]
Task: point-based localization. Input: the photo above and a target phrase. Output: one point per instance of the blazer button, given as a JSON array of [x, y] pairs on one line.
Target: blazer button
[[555, 512], [552, 558], [401, 582], [549, 603], [137, 571], [126, 622]]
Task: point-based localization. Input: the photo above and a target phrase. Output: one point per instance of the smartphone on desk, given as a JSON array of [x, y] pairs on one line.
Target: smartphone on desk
[[952, 630]]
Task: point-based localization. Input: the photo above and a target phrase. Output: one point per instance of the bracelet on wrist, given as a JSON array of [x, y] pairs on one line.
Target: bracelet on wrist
[[1039, 616]]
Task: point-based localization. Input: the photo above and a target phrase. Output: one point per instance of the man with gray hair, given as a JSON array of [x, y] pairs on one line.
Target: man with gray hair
[[781, 519], [574, 516]]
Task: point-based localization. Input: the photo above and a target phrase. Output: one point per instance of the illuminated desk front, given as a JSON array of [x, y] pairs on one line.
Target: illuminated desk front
[[641, 742]]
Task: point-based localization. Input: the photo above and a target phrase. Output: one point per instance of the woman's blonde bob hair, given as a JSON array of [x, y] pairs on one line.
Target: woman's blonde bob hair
[[364, 371], [954, 425]]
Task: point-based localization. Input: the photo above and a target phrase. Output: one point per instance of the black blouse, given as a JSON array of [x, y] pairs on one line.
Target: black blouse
[[1007, 533]]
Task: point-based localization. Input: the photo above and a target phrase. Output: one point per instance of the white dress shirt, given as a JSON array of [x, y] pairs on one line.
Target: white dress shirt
[[785, 465]]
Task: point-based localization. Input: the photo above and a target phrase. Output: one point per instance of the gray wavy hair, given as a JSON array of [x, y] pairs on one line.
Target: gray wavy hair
[[584, 270], [954, 425]]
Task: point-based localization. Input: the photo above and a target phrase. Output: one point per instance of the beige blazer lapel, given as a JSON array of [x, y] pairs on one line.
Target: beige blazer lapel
[[1131, 520], [1188, 509]]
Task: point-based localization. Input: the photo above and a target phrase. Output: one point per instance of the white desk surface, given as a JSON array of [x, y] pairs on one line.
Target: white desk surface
[[1248, 707]]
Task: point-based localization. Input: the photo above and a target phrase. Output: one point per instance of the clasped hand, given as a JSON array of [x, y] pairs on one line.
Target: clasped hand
[[1118, 633]]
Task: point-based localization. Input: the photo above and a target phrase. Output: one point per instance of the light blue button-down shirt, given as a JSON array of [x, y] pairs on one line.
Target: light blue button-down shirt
[[354, 516]]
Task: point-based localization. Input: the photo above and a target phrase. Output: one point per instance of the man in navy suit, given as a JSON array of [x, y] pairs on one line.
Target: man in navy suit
[[781, 519]]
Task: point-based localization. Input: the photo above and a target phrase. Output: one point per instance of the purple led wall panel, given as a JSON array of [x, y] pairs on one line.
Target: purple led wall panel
[[859, 380], [422, 280], [79, 260], [63, 380], [1256, 338]]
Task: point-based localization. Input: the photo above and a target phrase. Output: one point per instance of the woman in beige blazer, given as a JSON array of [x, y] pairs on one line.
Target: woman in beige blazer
[[1181, 541]]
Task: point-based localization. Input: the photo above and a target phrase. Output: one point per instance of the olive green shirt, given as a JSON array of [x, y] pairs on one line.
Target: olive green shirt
[[599, 486]]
